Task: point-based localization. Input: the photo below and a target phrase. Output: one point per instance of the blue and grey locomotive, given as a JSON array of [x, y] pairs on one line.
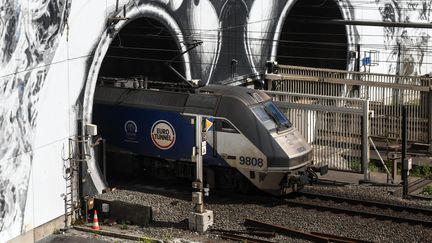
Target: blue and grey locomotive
[[249, 140]]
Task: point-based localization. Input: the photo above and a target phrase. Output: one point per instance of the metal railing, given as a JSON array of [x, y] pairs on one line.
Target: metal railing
[[332, 125], [386, 93]]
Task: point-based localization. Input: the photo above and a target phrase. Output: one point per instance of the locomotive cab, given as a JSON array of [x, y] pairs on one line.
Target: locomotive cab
[[270, 152]]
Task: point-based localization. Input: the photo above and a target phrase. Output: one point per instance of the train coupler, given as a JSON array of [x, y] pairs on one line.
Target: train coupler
[[312, 173], [322, 169], [293, 183]]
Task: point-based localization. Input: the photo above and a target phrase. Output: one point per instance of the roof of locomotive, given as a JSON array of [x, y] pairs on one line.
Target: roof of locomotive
[[203, 101], [246, 95]]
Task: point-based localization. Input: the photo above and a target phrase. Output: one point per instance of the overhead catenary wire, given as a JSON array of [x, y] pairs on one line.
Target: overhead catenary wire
[[386, 47], [277, 18], [328, 43], [269, 42], [353, 5], [228, 65], [280, 32]]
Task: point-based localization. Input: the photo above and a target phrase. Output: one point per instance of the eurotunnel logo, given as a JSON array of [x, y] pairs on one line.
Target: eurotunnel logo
[[163, 134]]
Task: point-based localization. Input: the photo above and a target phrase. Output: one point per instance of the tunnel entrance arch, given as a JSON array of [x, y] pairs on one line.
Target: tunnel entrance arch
[[142, 48], [300, 39], [167, 25], [145, 12]]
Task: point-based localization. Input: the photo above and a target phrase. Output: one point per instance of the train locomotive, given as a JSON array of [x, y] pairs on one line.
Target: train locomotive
[[249, 140]]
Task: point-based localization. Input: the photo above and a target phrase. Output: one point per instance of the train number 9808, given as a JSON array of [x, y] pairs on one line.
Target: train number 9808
[[251, 161]]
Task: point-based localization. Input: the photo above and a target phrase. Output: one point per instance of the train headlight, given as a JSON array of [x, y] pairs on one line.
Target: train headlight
[[301, 159]]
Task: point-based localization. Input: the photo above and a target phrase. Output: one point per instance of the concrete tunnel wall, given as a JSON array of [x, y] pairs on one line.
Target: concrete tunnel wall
[[50, 57]]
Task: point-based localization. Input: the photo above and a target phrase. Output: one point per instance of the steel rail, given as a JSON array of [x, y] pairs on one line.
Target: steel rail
[[394, 207], [236, 237], [285, 230], [336, 238], [250, 231], [378, 216], [418, 184], [313, 236]]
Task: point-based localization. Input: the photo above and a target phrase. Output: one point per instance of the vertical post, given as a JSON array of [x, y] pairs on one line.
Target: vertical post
[[104, 158], [404, 151], [81, 157], [396, 92], [429, 109], [200, 219], [233, 68], [358, 63], [199, 204], [395, 164], [365, 140]]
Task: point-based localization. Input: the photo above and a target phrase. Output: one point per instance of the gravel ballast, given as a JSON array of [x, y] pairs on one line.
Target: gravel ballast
[[171, 210]]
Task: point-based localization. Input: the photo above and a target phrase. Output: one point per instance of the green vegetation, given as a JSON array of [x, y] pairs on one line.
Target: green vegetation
[[428, 190], [124, 225], [417, 171], [145, 240], [372, 166], [421, 171], [356, 165]]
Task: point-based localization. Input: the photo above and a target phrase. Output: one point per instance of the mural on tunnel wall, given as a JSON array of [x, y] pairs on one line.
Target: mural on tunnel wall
[[29, 36], [238, 37], [409, 45]]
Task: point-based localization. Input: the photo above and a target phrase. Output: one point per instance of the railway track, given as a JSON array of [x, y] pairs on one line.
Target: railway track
[[398, 213], [312, 236], [241, 238], [349, 206], [418, 185], [229, 229], [266, 230]]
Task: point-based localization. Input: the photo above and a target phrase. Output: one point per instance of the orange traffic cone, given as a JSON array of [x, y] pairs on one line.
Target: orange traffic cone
[[95, 225]]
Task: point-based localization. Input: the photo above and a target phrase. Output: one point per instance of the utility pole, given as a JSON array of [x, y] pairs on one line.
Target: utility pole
[[406, 163], [365, 140], [81, 158], [200, 219]]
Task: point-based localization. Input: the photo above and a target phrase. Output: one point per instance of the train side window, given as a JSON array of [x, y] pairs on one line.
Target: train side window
[[225, 126]]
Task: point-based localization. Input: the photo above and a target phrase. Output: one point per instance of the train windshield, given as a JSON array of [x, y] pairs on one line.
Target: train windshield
[[271, 117]]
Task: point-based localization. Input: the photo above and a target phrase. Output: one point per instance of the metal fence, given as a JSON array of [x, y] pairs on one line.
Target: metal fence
[[386, 93], [332, 125]]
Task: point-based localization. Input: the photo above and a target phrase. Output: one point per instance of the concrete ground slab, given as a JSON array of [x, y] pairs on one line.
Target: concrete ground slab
[[354, 178], [69, 239]]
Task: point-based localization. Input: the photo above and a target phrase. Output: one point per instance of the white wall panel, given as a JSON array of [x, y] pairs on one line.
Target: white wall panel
[[49, 183]]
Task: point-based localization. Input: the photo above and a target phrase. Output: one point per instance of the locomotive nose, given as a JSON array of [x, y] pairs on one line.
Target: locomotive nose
[[297, 152]]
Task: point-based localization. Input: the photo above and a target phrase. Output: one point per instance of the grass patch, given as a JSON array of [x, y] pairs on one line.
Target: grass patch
[[428, 190], [356, 165], [124, 225], [421, 171]]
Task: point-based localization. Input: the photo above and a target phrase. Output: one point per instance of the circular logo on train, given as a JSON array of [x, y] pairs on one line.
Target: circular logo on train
[[130, 128], [163, 134]]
